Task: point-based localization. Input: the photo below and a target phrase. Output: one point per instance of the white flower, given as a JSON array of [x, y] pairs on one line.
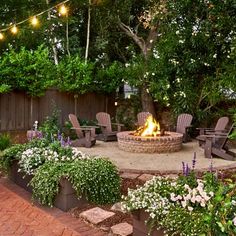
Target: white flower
[[190, 208], [184, 204], [234, 221]]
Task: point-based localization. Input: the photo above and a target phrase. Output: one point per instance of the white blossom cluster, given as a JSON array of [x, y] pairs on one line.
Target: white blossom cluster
[[147, 198], [30, 159], [195, 196]]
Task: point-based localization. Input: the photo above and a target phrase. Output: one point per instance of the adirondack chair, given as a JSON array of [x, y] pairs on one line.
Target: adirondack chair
[[104, 121], [85, 134], [183, 124], [219, 128], [142, 117], [215, 145]]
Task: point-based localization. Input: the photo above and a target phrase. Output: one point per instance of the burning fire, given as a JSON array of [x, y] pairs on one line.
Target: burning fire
[[150, 128]]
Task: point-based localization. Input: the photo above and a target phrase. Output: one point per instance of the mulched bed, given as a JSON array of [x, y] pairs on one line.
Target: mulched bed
[[119, 217]]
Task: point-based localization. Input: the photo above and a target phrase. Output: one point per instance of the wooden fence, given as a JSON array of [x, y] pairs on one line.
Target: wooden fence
[[19, 111]]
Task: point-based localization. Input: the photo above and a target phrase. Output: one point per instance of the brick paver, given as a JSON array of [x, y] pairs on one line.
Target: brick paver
[[19, 217]]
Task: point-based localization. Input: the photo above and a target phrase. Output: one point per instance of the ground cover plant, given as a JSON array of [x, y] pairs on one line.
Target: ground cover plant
[[95, 178], [187, 205]]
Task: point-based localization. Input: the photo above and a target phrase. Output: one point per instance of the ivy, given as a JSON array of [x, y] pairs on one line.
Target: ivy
[[97, 179]]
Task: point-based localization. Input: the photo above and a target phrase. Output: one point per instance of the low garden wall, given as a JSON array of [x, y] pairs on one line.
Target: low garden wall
[[139, 226], [65, 199]]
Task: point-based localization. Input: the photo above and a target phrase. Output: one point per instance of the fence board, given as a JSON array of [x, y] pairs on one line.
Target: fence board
[[18, 111]]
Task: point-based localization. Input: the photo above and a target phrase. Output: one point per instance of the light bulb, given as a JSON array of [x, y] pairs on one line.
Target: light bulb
[[1, 36], [63, 10], [14, 29], [34, 21]]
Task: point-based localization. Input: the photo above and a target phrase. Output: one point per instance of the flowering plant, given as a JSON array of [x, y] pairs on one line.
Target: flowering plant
[[187, 205]]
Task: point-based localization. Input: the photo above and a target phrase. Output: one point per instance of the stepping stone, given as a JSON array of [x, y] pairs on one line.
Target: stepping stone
[[145, 177], [122, 229], [129, 175], [96, 215], [117, 207]]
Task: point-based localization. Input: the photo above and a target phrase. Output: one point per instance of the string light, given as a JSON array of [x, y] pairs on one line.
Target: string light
[[63, 10], [1, 36], [34, 21], [14, 29]]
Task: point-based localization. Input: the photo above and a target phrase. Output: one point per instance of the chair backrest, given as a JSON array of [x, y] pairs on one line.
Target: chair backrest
[[104, 118], [222, 123], [142, 117], [75, 123], [183, 121], [221, 142]]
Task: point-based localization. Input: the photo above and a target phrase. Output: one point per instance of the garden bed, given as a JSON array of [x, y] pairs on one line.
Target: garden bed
[[139, 226], [65, 199]]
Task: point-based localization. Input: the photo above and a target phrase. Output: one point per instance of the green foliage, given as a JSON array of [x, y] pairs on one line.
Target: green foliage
[[96, 179], [50, 127], [26, 70], [127, 110], [195, 56], [5, 141], [75, 75], [9, 155], [187, 205]]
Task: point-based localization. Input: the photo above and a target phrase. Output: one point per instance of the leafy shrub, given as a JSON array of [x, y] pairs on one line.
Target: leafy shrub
[[9, 155], [51, 126], [5, 141], [187, 205], [93, 177], [97, 179]]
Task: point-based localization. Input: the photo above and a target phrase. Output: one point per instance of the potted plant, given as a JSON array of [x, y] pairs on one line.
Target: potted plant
[[59, 175], [186, 205]]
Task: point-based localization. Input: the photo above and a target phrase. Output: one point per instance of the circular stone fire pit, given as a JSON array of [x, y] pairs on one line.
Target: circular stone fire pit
[[169, 142]]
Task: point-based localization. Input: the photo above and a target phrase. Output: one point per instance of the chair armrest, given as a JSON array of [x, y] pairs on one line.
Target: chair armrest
[[81, 128], [203, 131], [87, 126], [102, 125], [188, 127], [117, 124]]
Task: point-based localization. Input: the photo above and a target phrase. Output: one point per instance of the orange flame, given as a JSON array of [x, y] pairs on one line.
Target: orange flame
[[150, 128]]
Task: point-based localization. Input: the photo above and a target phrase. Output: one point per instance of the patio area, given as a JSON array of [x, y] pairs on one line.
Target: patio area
[[155, 162]]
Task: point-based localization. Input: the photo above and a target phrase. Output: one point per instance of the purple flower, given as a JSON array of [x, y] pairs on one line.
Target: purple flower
[[68, 142], [183, 167], [187, 170], [194, 160]]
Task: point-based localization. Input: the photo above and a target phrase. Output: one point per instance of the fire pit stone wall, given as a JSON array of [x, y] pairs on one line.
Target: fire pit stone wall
[[170, 142]]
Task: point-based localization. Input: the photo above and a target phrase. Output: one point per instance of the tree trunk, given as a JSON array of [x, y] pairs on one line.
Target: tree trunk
[[146, 47], [147, 101], [88, 32], [55, 56]]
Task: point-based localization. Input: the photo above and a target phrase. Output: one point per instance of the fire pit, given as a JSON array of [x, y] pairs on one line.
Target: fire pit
[[150, 139]]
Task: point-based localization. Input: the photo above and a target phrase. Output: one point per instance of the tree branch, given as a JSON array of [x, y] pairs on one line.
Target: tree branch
[[138, 40]]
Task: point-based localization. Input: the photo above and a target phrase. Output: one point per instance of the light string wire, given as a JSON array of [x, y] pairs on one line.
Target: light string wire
[[38, 14]]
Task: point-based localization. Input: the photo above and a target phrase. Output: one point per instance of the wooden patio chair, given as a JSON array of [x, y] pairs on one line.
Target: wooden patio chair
[[183, 125], [142, 117], [215, 145], [85, 134], [104, 121], [219, 128]]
